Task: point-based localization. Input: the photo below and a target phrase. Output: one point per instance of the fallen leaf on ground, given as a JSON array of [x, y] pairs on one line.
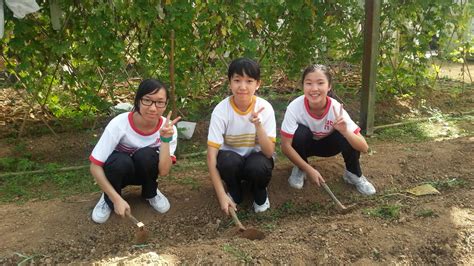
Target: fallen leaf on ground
[[421, 190]]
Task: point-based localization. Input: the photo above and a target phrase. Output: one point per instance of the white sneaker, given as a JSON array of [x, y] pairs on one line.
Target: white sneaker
[[361, 183], [101, 212], [159, 202], [296, 178], [261, 208]]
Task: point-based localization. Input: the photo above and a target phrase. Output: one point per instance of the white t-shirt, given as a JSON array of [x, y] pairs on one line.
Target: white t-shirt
[[122, 135], [298, 112], [231, 129]]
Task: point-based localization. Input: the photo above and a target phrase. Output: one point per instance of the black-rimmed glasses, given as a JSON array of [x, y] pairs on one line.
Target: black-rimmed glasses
[[148, 102]]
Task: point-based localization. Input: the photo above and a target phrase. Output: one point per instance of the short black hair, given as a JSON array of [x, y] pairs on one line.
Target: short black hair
[[148, 86], [244, 66]]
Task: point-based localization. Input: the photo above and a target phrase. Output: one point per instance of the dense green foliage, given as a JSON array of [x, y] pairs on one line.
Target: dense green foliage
[[415, 30], [106, 45]]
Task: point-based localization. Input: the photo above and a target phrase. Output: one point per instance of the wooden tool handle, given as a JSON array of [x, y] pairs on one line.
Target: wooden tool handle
[[236, 219], [328, 190], [135, 220]]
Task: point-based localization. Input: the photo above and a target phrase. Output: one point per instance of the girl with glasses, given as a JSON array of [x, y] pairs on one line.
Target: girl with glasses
[[134, 149]]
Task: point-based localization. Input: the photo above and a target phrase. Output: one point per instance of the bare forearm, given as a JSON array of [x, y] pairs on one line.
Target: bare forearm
[[165, 163], [217, 183], [266, 144], [214, 173]]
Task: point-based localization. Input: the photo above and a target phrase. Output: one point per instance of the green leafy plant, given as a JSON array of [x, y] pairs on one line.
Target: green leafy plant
[[107, 47], [426, 213], [389, 212], [10, 164], [448, 183], [237, 253]]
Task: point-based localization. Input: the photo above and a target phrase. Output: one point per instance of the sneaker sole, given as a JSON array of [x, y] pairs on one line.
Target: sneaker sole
[[99, 221], [165, 209]]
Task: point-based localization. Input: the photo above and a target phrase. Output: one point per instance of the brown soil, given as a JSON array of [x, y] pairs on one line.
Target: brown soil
[[302, 227]]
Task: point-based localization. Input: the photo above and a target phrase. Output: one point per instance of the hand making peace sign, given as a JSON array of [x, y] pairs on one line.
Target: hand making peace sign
[[254, 119], [167, 130], [340, 124]]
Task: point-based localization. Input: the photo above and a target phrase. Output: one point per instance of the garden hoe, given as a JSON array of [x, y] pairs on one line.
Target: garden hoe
[[141, 236], [342, 208], [249, 233]]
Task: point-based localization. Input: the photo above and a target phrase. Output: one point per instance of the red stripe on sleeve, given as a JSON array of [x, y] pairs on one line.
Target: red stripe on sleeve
[[286, 135], [95, 161]]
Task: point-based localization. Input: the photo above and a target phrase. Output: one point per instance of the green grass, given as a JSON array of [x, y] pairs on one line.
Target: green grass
[[413, 132], [189, 146], [269, 226], [26, 258], [389, 212], [191, 182], [237, 253], [22, 188], [268, 220], [448, 183], [439, 127], [426, 213], [10, 164], [288, 208]]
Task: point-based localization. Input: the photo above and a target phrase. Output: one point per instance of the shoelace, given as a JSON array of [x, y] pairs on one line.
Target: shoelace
[[104, 207]]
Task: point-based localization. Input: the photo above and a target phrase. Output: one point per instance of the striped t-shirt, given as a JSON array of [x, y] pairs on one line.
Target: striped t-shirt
[[231, 129]]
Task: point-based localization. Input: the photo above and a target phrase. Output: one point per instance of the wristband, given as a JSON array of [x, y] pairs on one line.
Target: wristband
[[166, 140]]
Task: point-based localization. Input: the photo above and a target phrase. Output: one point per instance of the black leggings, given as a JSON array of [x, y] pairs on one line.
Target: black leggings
[[306, 146], [140, 168], [256, 169]]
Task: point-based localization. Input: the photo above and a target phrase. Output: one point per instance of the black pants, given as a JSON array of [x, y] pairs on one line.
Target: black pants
[[256, 169], [306, 146], [140, 168]]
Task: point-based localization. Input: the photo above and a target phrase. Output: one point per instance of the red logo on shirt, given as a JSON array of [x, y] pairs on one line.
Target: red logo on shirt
[[328, 125]]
